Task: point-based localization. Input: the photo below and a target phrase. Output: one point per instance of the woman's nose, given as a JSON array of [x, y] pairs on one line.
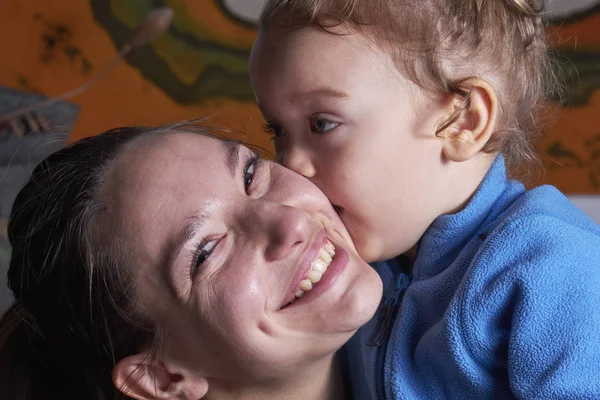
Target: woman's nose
[[284, 229]]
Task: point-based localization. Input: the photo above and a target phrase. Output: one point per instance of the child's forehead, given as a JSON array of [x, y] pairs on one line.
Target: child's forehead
[[310, 46], [273, 34], [310, 65]]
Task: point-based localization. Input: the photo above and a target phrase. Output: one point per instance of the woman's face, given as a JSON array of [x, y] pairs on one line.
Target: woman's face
[[224, 245]]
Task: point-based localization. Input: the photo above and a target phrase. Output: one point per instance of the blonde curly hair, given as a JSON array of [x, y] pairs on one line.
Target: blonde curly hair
[[439, 44]]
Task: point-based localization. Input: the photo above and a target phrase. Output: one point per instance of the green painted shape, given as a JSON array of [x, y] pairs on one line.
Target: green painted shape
[[225, 70], [581, 74]]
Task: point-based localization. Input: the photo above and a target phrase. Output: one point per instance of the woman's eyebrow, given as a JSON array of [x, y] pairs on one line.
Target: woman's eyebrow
[[193, 223], [233, 155]]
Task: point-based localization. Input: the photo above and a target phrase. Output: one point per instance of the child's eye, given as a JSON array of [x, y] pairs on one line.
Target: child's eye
[[203, 251], [273, 130], [322, 125]]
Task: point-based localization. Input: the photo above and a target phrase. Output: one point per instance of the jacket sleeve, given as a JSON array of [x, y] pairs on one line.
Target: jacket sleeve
[[543, 280]]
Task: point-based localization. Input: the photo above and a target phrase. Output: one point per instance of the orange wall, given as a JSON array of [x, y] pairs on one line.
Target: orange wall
[[128, 97]]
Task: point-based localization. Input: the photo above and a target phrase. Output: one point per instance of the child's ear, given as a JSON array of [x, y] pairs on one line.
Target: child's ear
[[142, 378], [466, 136]]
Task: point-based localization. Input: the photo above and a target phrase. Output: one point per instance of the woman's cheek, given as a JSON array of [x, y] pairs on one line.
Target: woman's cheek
[[243, 295]]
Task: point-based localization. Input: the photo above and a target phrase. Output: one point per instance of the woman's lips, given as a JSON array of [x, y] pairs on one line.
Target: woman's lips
[[333, 270], [304, 266]]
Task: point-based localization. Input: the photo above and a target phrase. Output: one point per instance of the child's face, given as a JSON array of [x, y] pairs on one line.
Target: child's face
[[343, 116]]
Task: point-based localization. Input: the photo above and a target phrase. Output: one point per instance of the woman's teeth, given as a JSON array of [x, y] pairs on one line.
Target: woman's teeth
[[318, 268]]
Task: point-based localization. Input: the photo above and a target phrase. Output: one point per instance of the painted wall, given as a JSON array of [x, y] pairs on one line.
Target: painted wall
[[589, 62], [200, 68]]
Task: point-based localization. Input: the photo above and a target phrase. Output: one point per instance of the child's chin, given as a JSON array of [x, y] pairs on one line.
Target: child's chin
[[368, 251]]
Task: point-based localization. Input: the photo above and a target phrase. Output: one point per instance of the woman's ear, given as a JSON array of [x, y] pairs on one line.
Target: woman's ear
[[140, 377], [466, 136]]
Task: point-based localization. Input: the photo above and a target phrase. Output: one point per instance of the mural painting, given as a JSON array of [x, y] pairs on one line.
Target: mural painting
[[200, 68]]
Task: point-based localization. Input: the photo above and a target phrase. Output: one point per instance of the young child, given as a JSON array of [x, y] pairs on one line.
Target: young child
[[411, 116]]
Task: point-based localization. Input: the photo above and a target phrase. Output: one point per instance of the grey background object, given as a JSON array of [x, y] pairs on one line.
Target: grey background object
[[20, 152]]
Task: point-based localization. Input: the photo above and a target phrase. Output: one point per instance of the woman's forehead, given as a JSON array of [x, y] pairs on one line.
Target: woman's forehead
[[165, 146], [164, 173], [165, 181], [160, 161], [178, 162]]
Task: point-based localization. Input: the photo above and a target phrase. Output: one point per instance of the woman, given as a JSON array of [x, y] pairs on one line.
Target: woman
[[169, 264]]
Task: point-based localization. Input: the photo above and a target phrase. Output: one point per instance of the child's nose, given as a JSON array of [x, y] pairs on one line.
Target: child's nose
[[299, 160]]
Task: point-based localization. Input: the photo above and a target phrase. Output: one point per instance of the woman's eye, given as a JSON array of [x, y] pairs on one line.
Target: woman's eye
[[201, 255], [322, 125], [250, 171], [248, 176]]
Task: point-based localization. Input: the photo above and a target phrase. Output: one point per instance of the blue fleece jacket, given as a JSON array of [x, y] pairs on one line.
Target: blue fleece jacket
[[503, 301]]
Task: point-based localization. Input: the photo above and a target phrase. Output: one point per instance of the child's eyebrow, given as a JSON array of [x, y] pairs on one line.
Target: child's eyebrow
[[324, 92]]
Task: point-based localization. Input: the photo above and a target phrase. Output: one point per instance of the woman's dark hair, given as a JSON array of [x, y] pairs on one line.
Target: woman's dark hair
[[74, 315]]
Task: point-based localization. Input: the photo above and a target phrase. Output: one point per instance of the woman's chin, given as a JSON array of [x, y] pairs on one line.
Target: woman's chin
[[358, 302], [299, 335], [363, 298]]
